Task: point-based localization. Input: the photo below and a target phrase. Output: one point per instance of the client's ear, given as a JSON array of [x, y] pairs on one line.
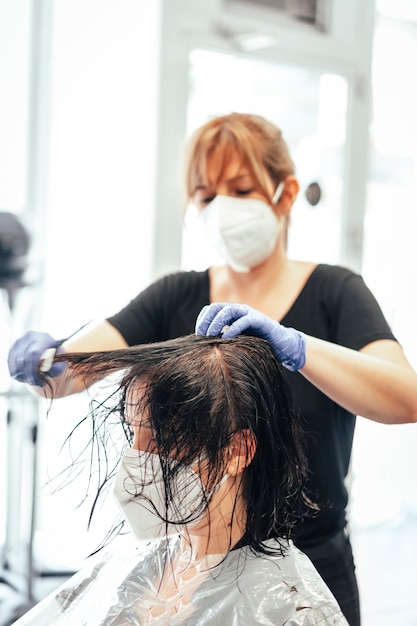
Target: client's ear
[[242, 449]]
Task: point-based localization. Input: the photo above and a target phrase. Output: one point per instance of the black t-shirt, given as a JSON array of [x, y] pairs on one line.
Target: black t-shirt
[[334, 305]]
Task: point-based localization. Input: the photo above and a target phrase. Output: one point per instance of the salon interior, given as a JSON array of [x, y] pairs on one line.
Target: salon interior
[[96, 100]]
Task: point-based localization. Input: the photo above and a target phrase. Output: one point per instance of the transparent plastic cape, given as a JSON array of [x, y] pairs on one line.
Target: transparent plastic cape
[[136, 583]]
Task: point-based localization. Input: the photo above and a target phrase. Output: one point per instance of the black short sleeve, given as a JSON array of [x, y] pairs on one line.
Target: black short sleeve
[[336, 305], [166, 309]]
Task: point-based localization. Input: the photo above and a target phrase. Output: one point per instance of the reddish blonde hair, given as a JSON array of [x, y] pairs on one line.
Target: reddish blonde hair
[[257, 142]]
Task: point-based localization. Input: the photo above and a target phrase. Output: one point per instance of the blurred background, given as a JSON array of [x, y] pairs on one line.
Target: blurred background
[[96, 100]]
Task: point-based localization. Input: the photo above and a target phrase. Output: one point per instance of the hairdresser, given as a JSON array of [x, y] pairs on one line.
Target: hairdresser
[[322, 321]]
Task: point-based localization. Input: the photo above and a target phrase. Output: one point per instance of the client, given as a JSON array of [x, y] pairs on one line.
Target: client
[[211, 483]]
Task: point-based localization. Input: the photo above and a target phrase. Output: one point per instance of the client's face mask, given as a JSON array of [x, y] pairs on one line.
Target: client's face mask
[[243, 231], [140, 491]]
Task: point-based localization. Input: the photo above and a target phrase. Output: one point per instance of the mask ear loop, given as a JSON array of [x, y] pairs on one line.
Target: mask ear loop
[[278, 192]]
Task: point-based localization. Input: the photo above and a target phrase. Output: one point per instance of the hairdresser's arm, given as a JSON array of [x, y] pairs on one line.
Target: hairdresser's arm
[[94, 337], [377, 382]]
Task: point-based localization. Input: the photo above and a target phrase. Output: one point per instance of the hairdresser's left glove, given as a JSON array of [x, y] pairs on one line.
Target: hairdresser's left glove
[[287, 343]]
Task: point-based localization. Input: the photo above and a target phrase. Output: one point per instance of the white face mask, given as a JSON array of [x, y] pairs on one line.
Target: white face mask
[[243, 231], [140, 492]]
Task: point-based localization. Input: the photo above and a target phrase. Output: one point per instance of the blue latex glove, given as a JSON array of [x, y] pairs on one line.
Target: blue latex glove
[[25, 354], [287, 343]]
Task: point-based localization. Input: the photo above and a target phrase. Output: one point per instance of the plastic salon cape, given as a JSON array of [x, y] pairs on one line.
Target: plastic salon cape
[[121, 587]]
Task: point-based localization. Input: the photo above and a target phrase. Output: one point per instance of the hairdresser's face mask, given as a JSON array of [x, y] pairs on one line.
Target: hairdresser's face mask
[[244, 231], [140, 491]]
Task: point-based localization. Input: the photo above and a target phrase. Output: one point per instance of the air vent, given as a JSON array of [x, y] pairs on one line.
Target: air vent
[[313, 12]]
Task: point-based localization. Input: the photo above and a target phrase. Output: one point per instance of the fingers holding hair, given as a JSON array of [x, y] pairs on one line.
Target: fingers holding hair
[[213, 319]]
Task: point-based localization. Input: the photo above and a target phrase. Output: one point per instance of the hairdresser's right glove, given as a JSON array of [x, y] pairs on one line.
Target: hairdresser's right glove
[[287, 343], [25, 356]]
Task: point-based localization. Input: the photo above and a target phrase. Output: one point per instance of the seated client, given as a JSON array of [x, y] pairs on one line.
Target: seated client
[[211, 483]]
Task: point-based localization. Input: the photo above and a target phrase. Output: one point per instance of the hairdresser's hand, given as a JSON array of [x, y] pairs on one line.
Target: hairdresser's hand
[[25, 356], [287, 343]]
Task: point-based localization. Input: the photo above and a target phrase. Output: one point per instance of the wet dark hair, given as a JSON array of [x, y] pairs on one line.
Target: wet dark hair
[[196, 392]]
